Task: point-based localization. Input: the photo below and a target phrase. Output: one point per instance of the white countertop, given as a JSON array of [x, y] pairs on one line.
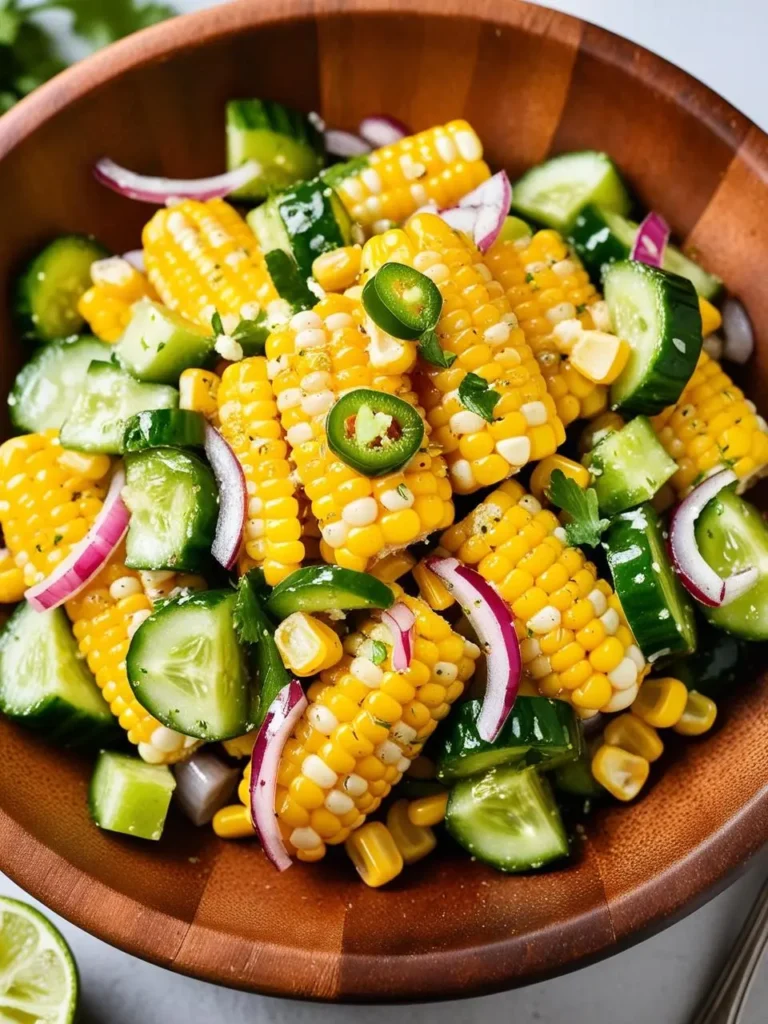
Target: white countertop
[[657, 982]]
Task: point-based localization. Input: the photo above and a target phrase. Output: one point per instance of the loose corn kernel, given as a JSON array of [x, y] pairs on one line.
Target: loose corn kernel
[[233, 822], [374, 853], [623, 774], [542, 474], [241, 746], [661, 702], [428, 810], [711, 320], [600, 357], [391, 567], [432, 589], [634, 735], [307, 645], [413, 841], [338, 269], [698, 717]]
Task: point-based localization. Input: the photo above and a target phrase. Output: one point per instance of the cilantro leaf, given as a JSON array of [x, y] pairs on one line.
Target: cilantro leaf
[[252, 335], [378, 652], [478, 396], [216, 325], [585, 526], [104, 21], [432, 352]]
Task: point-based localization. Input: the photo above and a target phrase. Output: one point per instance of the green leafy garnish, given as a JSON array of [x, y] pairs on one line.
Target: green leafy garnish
[[252, 335], [585, 526], [478, 396], [432, 352], [378, 652], [216, 324]]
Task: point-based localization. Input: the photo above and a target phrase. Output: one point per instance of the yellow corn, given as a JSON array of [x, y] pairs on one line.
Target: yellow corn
[[198, 391], [233, 822], [373, 851], [49, 498], [391, 567], [432, 589], [479, 328], [241, 746], [12, 585], [249, 422], [428, 810], [441, 164], [162, 584], [312, 360], [712, 427], [574, 638], [542, 474], [622, 773], [597, 429], [711, 320], [203, 258], [633, 734], [661, 702], [307, 645], [698, 717], [338, 269], [413, 841], [107, 304]]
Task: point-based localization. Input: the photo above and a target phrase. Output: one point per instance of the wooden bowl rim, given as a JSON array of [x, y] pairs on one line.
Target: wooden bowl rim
[[49, 877]]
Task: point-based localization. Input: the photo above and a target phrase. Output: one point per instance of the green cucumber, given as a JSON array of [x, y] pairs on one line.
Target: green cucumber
[[45, 390], [336, 173], [537, 731], [130, 796], [601, 237], [46, 685], [164, 428], [187, 667], [658, 610], [576, 779], [174, 504], [159, 344], [254, 627], [109, 398], [628, 466], [720, 663], [322, 588], [658, 314], [515, 229], [507, 818], [554, 192], [52, 284], [288, 282], [285, 144]]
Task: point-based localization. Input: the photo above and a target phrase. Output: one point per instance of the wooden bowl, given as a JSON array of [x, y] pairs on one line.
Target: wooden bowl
[[532, 82]]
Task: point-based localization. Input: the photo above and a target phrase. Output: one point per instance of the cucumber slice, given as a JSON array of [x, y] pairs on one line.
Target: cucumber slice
[[322, 588], [514, 229], [128, 795], [174, 504], [732, 535], [720, 663], [49, 289], [658, 314], [288, 282], [304, 221], [576, 779], [507, 818], [45, 391], [158, 344], [628, 466], [164, 428], [283, 142], [659, 611], [187, 668], [46, 685], [538, 730], [554, 192], [601, 237], [109, 398]]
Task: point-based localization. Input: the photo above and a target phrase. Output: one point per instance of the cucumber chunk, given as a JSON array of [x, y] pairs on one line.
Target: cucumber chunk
[[336, 173], [164, 428], [538, 731], [187, 668], [158, 344], [658, 314], [507, 818], [46, 388], [288, 282], [128, 795], [576, 779], [322, 588], [720, 663], [554, 192], [174, 504], [46, 685], [49, 289], [628, 466], [283, 142], [109, 398], [659, 611], [732, 535]]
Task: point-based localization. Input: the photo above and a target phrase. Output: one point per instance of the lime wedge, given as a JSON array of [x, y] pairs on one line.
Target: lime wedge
[[38, 977]]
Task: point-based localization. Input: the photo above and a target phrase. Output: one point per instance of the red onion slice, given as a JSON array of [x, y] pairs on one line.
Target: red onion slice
[[203, 785], [233, 498], [697, 576], [382, 130], [345, 144], [738, 331], [89, 556], [149, 189], [136, 258], [481, 213], [492, 621], [400, 621], [284, 712], [651, 241]]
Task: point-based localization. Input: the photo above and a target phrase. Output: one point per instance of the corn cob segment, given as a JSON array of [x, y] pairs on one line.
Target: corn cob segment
[[574, 638], [478, 326], [441, 165], [107, 305], [203, 258], [198, 391], [312, 361]]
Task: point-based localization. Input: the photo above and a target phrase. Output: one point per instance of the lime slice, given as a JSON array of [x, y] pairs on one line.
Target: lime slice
[[38, 977]]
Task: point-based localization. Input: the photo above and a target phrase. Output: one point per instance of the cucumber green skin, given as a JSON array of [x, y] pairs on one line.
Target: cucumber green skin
[[628, 466], [732, 535], [288, 282], [284, 142], [320, 588], [659, 611], [46, 367], [158, 344], [145, 791], [720, 663], [415, 789], [609, 192], [254, 627], [672, 365], [164, 428], [337, 173], [66, 259], [538, 731], [576, 779]]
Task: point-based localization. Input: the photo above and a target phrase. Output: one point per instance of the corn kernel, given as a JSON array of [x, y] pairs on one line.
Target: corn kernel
[[413, 841], [634, 735], [542, 474], [374, 853], [623, 774], [428, 810], [661, 702], [307, 645], [233, 822], [698, 717]]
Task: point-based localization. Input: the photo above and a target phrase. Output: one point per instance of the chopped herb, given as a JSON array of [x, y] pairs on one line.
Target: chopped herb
[[403, 491], [378, 652], [57, 539], [586, 526], [581, 308], [216, 325], [478, 396], [432, 352]]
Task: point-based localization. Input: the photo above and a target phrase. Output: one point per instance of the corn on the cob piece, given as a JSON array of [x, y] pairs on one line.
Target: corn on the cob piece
[[574, 638], [203, 258], [12, 585], [479, 328], [441, 164], [713, 426], [198, 391], [49, 498], [105, 615], [250, 423], [166, 584], [107, 305], [312, 360]]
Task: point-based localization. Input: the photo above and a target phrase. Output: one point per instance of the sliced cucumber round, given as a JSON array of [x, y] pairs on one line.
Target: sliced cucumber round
[[164, 428], [554, 192], [628, 466], [322, 588]]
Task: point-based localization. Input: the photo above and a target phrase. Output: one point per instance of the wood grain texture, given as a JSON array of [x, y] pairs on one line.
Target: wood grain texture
[[532, 82]]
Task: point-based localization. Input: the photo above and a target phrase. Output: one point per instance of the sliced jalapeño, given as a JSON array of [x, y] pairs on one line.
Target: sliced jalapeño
[[402, 301], [374, 432]]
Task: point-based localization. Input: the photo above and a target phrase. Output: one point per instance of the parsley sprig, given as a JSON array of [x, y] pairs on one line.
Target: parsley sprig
[[585, 526]]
